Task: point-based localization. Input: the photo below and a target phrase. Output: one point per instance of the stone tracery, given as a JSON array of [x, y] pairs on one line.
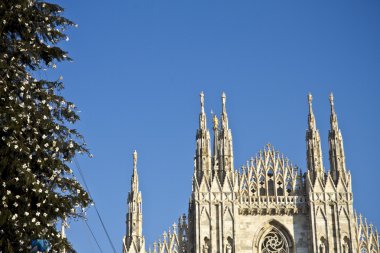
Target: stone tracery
[[273, 242], [270, 174]]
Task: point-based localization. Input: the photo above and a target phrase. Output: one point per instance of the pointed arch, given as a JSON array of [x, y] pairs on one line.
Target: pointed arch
[[320, 212], [227, 214], [206, 247], [229, 245], [323, 245], [346, 245], [205, 216]]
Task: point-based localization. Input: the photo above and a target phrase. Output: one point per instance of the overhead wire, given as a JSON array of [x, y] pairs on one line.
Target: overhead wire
[[96, 209], [93, 235], [89, 238]]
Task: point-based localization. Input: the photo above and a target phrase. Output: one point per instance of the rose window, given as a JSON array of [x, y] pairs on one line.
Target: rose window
[[273, 242]]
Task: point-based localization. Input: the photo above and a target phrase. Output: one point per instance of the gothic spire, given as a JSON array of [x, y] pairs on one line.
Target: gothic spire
[[203, 151], [134, 215], [336, 150], [225, 144], [313, 144]]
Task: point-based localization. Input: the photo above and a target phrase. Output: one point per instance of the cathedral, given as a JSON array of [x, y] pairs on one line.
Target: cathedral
[[266, 206]]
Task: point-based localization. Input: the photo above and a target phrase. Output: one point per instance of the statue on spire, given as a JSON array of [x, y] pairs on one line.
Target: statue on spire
[[202, 115], [223, 102], [331, 98], [224, 112], [312, 124], [202, 102], [216, 122], [134, 180], [135, 159], [333, 117]]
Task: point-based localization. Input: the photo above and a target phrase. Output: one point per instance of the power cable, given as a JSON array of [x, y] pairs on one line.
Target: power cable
[[93, 236], [89, 239], [96, 209]]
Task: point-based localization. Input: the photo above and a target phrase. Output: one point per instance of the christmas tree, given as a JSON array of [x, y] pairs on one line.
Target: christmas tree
[[37, 139]]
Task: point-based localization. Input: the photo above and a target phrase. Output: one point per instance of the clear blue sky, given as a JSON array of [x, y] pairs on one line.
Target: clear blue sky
[[139, 66]]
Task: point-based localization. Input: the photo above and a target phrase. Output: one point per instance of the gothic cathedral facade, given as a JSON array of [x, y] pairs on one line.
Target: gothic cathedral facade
[[267, 206]]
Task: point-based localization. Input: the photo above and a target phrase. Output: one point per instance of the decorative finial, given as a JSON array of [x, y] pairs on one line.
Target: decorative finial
[[135, 159], [311, 119], [224, 102], [310, 100], [333, 117], [331, 98], [202, 102], [216, 122]]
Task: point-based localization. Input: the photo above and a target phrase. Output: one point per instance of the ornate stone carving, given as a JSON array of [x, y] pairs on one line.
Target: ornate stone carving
[[274, 242], [269, 206]]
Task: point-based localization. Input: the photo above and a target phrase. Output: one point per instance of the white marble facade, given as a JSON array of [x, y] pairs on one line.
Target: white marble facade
[[267, 206]]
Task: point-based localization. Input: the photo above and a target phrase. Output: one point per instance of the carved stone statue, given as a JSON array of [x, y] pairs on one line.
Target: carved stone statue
[[205, 248], [228, 248], [345, 246], [322, 247]]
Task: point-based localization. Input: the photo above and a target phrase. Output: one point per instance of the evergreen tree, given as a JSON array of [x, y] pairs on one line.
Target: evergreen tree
[[37, 139]]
